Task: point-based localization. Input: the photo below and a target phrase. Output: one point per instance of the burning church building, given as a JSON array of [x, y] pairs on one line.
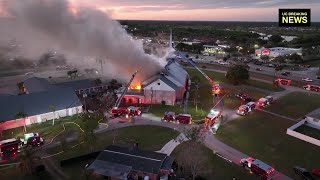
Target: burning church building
[[168, 87]]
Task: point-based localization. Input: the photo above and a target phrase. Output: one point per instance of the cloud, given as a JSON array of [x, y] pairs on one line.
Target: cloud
[[156, 5]]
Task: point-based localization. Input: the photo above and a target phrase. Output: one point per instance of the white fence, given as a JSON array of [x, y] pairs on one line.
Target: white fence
[[291, 132]]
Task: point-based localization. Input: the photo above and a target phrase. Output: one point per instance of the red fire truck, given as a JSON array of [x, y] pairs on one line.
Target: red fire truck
[[211, 118], [282, 81], [9, 145], [312, 88], [125, 111], [258, 167], [169, 116], [184, 118]]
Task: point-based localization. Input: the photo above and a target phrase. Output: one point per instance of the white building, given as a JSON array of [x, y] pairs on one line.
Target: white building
[[214, 50], [36, 107], [277, 51]]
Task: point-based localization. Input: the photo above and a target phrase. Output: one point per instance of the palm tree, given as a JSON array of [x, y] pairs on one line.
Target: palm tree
[[25, 165], [53, 109], [23, 115]]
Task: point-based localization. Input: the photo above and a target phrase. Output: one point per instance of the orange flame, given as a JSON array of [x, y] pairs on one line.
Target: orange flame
[[136, 87]]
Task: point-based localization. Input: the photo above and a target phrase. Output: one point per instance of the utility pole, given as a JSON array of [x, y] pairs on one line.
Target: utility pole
[[197, 88], [151, 95]]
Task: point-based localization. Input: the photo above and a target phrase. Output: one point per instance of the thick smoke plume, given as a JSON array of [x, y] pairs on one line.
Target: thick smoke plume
[[82, 36]]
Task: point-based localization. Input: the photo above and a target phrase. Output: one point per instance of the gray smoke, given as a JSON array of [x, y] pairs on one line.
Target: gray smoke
[[43, 25]]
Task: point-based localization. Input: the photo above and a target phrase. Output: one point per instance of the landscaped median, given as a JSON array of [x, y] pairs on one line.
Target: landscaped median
[[263, 136]]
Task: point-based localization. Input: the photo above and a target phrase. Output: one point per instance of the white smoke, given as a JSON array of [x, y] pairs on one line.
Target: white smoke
[[43, 25]]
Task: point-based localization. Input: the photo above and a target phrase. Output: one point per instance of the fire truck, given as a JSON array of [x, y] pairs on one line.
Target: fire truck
[[258, 167], [211, 118], [32, 139], [117, 111], [9, 146], [282, 81], [215, 91], [312, 88]]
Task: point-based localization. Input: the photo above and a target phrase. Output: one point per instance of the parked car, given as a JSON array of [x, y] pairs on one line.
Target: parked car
[[259, 69], [316, 172], [243, 110], [307, 79], [262, 102], [303, 173]]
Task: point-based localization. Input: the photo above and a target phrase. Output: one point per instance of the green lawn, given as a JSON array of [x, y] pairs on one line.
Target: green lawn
[[217, 168], [45, 129], [309, 131], [296, 104], [149, 138], [263, 136]]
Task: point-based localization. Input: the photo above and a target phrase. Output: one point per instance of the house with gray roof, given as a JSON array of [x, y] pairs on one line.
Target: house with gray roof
[[36, 105], [124, 163]]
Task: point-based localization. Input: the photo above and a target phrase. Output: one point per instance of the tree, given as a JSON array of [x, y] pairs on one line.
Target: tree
[[295, 58], [25, 164], [53, 109], [89, 124], [97, 82], [23, 115], [277, 69], [275, 39], [237, 74], [114, 85], [195, 163], [264, 58], [279, 59]]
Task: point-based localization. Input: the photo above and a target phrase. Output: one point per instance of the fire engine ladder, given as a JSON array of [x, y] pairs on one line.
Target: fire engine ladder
[[190, 62], [124, 91]]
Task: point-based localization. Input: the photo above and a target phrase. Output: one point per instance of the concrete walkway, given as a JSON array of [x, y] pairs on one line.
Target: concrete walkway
[[171, 145]]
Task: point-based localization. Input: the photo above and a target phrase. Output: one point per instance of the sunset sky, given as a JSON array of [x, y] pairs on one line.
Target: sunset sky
[[212, 10]]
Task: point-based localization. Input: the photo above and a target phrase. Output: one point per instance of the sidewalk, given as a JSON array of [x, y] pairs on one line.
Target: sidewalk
[[171, 145]]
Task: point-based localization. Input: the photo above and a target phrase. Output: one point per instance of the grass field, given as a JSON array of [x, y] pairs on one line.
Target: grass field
[[295, 105], [309, 131], [217, 168], [45, 129], [149, 138], [263, 136]]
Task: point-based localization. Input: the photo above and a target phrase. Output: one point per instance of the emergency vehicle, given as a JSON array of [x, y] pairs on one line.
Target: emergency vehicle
[[32, 139], [312, 88], [270, 99], [169, 116], [9, 145], [133, 111], [183, 118], [282, 81], [251, 105], [213, 115], [243, 110], [258, 167], [262, 102]]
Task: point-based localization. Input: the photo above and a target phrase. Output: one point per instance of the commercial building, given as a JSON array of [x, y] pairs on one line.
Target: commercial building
[[118, 163], [214, 50], [37, 107], [277, 51]]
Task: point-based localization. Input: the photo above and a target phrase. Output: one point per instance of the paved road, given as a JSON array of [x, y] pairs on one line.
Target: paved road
[[268, 72]]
